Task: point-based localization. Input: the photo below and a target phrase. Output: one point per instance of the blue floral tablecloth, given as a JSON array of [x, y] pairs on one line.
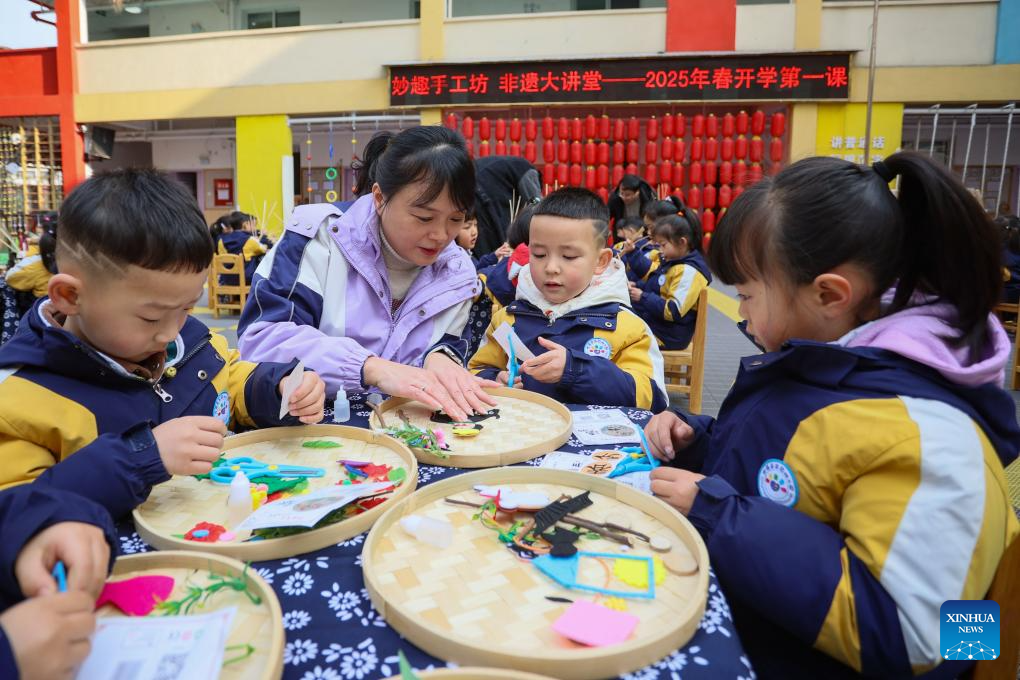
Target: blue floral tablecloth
[[334, 632]]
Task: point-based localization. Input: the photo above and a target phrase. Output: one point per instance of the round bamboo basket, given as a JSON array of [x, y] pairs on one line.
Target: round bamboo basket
[[259, 625], [475, 673], [476, 603], [179, 504], [529, 425]]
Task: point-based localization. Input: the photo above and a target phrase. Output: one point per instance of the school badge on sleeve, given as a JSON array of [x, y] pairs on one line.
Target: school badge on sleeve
[[221, 409], [777, 482], [598, 347], [662, 280]]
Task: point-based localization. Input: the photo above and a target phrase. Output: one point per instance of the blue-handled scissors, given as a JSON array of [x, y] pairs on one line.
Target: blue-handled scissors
[[511, 367], [224, 473]]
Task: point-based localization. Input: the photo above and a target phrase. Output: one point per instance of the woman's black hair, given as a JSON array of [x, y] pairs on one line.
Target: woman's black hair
[[682, 225], [431, 154], [1010, 227], [656, 209], [635, 223], [364, 175], [823, 212], [520, 229], [630, 183]]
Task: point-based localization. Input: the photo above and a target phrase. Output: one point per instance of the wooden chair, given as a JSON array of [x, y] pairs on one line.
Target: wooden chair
[[1014, 369], [224, 297], [685, 368], [1007, 313]]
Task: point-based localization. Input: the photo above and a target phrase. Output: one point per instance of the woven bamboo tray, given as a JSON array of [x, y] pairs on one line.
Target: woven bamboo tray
[[177, 505], [258, 625], [475, 603], [529, 425], [475, 673]]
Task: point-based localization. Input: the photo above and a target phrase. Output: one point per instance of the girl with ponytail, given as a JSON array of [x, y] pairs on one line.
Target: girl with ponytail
[[854, 479]]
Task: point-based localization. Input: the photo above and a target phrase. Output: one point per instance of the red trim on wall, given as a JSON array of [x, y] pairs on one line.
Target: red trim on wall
[[28, 73], [701, 25], [72, 145]]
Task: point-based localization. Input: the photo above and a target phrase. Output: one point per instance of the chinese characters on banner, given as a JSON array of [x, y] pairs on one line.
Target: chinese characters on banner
[[840, 131], [732, 77]]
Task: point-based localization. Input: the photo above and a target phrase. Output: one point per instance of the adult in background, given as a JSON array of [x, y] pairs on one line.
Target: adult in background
[[501, 181]]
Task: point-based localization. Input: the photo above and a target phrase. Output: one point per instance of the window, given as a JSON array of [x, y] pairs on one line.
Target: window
[[273, 19]]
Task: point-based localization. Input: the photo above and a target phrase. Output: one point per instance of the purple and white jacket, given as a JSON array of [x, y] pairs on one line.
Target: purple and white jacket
[[322, 295]]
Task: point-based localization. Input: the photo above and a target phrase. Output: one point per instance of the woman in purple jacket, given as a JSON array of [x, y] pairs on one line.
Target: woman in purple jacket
[[378, 295]]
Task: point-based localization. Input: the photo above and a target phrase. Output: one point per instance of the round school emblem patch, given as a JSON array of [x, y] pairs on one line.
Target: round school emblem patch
[[777, 482], [221, 409], [598, 347], [662, 279]]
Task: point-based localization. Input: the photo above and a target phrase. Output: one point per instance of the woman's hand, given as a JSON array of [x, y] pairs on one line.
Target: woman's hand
[[465, 388], [667, 434], [426, 386]]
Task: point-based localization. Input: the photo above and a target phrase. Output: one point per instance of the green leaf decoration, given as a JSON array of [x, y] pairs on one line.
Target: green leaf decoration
[[321, 444], [406, 672]]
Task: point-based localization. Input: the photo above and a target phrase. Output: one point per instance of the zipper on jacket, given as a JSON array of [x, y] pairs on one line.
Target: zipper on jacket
[[163, 394]]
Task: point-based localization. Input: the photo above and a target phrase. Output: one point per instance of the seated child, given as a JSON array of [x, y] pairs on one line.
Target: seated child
[[32, 273], [632, 242], [467, 238], [47, 634], [854, 479], [237, 239], [500, 279], [1010, 226], [571, 312], [668, 300], [645, 257], [109, 386]]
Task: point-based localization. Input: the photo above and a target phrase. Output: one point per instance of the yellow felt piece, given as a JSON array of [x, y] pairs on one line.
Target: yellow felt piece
[[635, 572]]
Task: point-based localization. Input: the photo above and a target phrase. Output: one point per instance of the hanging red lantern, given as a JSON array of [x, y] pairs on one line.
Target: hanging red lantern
[[711, 148], [680, 129], [484, 129], [470, 147], [728, 125], [531, 130], [707, 216], [651, 174], [778, 124], [742, 120], [576, 153], [576, 129], [603, 153], [631, 168], [711, 172], [619, 129], [590, 126], [696, 149], [678, 174], [604, 127], [776, 150], [652, 132], [758, 122], [590, 152], [725, 172], [548, 151], [617, 174], [740, 148], [632, 151], [712, 126], [602, 175], [698, 125], [668, 125], [695, 172], [530, 152], [603, 194], [563, 128], [515, 149], [680, 195], [500, 129], [576, 175], [666, 172], [737, 190], [548, 173], [451, 121], [726, 149], [468, 127], [590, 179], [666, 152], [708, 196], [500, 147], [548, 127], [754, 173], [633, 128], [757, 149], [694, 198], [619, 152], [483, 148], [515, 130], [679, 149], [740, 173], [725, 196], [651, 151], [705, 241], [563, 151], [562, 174]]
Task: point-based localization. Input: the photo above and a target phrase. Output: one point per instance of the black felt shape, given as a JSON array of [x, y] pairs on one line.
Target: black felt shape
[[554, 512], [563, 550], [556, 598], [440, 417], [559, 535]]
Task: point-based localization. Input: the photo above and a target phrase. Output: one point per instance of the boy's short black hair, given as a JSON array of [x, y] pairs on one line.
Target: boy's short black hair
[[635, 223], [575, 203], [138, 217]]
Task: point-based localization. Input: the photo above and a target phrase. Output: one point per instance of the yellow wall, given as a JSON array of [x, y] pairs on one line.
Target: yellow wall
[[263, 144], [839, 125]]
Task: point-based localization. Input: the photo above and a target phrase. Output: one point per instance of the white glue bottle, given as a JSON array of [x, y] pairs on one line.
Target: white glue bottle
[[341, 407], [436, 532], [239, 500]]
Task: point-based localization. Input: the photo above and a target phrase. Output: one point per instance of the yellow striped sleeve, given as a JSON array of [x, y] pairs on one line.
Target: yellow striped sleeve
[[682, 286], [489, 354], [232, 379], [636, 352], [252, 248]]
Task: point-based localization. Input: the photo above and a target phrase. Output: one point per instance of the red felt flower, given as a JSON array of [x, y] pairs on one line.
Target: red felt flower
[[215, 531]]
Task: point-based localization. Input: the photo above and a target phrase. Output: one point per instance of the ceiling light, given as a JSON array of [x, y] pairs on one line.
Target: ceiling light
[[133, 9]]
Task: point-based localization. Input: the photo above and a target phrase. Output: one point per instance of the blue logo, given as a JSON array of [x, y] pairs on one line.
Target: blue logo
[[969, 630], [598, 347], [221, 409], [777, 482]]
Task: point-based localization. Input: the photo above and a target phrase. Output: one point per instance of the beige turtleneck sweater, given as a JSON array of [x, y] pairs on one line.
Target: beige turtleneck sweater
[[401, 272]]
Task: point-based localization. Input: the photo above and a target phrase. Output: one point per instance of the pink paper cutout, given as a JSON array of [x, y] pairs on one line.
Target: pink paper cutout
[[594, 625], [136, 596]]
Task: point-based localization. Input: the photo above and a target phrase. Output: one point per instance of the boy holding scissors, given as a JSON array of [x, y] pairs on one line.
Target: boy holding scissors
[[112, 369]]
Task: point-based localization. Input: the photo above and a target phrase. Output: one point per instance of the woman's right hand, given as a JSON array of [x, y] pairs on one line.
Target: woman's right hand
[[667, 434], [411, 382]]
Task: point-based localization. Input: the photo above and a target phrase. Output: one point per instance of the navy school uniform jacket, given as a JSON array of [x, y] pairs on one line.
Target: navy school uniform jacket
[[1011, 289], [247, 246], [669, 299], [24, 512], [642, 261], [497, 283], [484, 261], [849, 492], [612, 357], [71, 419]]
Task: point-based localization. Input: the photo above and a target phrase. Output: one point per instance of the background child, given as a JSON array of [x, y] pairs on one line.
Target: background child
[[854, 480], [668, 300], [571, 312], [47, 634], [467, 238], [142, 389], [237, 239], [1010, 226], [500, 279]]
